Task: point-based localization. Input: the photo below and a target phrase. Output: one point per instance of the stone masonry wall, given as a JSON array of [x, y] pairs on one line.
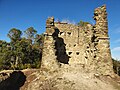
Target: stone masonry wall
[[104, 59], [49, 61], [73, 42], [77, 45]]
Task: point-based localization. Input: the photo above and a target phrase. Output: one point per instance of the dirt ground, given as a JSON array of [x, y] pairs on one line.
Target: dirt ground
[[40, 80]]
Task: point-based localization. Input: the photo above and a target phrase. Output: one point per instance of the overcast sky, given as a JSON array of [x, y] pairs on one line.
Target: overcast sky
[[22, 14]]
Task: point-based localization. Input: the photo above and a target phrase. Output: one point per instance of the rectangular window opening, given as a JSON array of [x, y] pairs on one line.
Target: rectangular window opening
[[77, 53]]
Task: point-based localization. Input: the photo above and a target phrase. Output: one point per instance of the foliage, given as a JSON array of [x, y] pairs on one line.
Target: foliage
[[30, 33], [39, 39], [14, 34], [82, 23], [20, 53], [116, 66]]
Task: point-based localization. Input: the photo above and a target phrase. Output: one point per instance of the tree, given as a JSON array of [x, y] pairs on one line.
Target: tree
[[14, 34], [21, 53], [5, 55], [39, 38], [30, 33]]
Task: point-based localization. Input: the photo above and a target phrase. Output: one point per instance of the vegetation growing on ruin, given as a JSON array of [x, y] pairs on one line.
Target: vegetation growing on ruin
[[82, 23]]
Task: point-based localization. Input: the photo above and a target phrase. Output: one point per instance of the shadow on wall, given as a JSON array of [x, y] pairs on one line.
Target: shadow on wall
[[60, 48], [14, 82]]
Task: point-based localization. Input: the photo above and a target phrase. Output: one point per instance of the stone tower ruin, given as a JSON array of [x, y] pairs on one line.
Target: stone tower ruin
[[86, 46]]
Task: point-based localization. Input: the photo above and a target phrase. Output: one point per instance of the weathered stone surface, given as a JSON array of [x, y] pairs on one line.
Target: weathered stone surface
[[3, 76], [74, 58], [48, 57], [103, 57], [70, 79], [78, 46]]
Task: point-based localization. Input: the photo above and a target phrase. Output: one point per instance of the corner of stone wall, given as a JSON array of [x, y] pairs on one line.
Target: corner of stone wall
[[49, 61], [104, 64]]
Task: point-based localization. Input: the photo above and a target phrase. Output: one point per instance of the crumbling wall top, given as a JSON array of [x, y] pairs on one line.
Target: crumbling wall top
[[100, 12], [50, 22]]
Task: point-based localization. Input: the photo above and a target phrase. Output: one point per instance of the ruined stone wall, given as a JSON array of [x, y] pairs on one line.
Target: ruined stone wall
[[104, 59], [73, 42], [49, 61], [78, 45]]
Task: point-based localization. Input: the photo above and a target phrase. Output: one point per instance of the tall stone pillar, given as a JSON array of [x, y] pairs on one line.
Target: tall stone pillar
[[49, 61], [104, 60]]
